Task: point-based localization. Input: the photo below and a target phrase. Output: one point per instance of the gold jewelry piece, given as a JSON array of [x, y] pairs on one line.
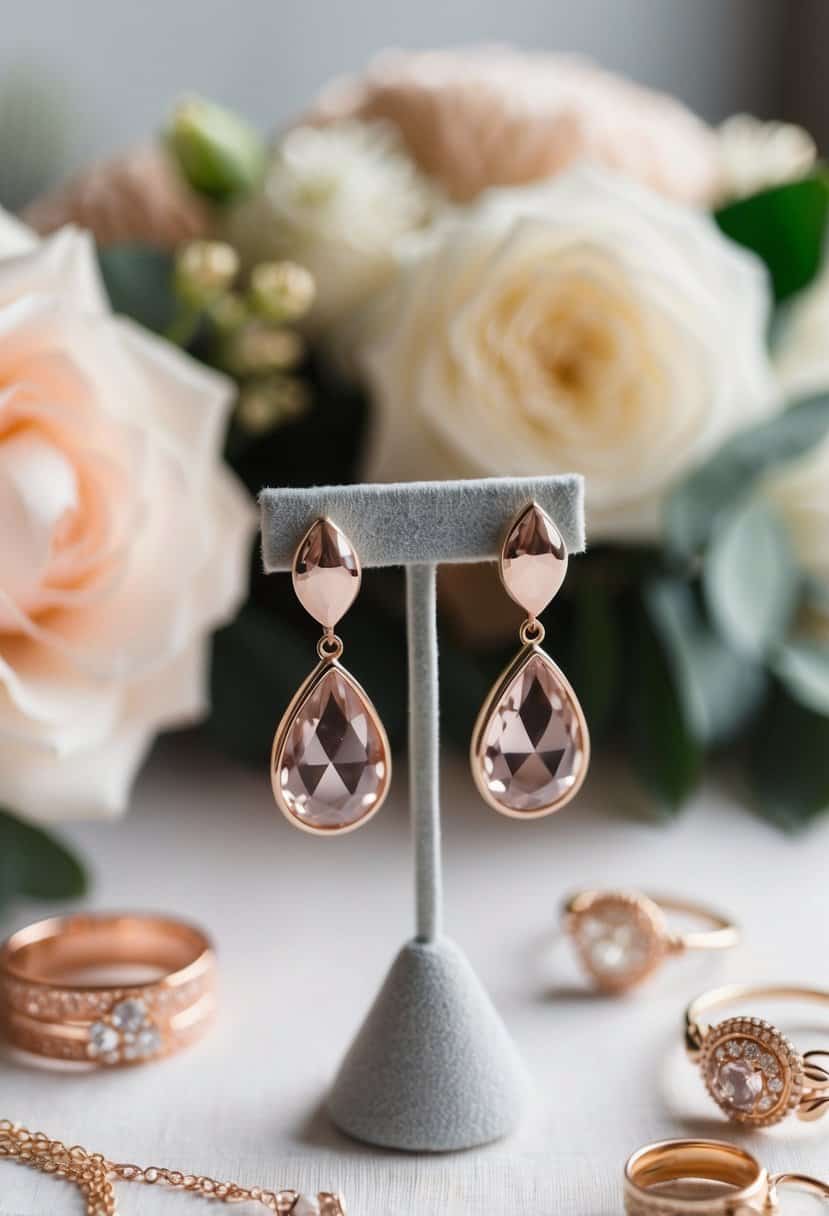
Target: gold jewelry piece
[[106, 990], [530, 747], [331, 762], [95, 1177], [749, 1067], [622, 937], [704, 1178]]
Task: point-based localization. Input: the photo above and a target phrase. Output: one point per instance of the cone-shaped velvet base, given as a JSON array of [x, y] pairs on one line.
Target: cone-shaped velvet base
[[432, 1068]]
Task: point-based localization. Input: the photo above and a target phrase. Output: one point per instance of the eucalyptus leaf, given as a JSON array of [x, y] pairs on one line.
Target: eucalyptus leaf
[[699, 503], [751, 579], [35, 864], [789, 770], [803, 669], [664, 750], [138, 279], [719, 689], [786, 227]]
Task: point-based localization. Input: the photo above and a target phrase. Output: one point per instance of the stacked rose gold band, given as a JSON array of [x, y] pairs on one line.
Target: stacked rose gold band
[[704, 1178], [107, 990]]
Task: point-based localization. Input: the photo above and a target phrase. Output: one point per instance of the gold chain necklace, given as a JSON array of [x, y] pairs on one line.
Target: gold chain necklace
[[95, 1177]]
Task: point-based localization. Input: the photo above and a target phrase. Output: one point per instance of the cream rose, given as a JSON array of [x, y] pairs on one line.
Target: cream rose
[[583, 325], [123, 538], [756, 155]]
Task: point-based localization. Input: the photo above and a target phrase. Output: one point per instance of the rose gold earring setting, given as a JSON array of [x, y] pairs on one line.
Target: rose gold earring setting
[[749, 1067], [623, 937], [530, 747], [331, 763], [705, 1178]]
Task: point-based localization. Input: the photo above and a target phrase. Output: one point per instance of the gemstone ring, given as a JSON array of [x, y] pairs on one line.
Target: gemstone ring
[[622, 937], [751, 1070], [104, 990]]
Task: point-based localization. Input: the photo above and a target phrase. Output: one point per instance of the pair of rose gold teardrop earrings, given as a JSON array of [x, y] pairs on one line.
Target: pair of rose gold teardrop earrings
[[331, 764]]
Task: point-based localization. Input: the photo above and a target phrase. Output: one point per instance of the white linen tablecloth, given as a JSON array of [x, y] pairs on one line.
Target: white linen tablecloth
[[306, 930]]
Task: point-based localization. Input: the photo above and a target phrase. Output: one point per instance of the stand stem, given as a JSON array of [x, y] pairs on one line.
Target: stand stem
[[424, 792]]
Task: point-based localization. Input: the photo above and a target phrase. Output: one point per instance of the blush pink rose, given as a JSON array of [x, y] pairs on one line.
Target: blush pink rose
[[493, 116], [124, 539]]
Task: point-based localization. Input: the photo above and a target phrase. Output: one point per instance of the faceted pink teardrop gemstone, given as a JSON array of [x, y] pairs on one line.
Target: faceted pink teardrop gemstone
[[326, 573], [534, 748], [533, 560], [333, 768]]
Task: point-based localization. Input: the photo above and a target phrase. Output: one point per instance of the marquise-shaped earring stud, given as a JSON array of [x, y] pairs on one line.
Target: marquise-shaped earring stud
[[530, 747], [330, 764]]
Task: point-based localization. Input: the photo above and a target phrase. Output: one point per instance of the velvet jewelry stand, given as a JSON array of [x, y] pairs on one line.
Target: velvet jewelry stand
[[433, 1067]]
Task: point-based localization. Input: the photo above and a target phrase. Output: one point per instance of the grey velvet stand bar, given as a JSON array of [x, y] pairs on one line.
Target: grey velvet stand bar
[[433, 1067]]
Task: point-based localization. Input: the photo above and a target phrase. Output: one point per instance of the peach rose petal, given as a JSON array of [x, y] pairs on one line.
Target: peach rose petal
[[494, 116], [124, 540]]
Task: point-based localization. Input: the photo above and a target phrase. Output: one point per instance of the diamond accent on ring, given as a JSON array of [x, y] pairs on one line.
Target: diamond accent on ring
[[127, 1035]]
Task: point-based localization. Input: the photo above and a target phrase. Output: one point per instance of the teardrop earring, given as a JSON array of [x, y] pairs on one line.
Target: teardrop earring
[[530, 746], [330, 764]]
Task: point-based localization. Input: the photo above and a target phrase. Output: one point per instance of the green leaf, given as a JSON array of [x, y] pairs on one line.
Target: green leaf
[[261, 659], [593, 661], [719, 690], [36, 865], [803, 669], [664, 751], [785, 226], [138, 279], [218, 153], [751, 579], [789, 770], [465, 680], [698, 504]]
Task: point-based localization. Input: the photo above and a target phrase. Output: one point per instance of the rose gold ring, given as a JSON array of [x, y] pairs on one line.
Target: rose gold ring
[[749, 1067], [704, 1178], [106, 990], [622, 937]]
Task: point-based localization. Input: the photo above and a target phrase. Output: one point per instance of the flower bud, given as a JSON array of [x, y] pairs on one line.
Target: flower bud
[[218, 153], [204, 270], [281, 291], [267, 403], [259, 348]]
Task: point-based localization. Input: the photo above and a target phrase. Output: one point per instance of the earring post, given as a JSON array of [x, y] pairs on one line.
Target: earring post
[[424, 742]]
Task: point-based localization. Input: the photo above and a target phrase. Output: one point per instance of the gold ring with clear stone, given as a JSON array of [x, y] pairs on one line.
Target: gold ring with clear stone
[[750, 1068], [622, 937]]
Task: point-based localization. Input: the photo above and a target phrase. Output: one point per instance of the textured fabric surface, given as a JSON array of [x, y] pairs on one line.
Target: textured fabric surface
[[306, 931], [432, 1067], [425, 521], [424, 774]]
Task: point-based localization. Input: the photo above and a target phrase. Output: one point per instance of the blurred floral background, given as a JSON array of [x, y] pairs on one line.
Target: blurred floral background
[[461, 262]]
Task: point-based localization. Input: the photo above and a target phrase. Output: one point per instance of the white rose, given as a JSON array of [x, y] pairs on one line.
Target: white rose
[[800, 489], [755, 155], [336, 199], [123, 538], [584, 325]]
